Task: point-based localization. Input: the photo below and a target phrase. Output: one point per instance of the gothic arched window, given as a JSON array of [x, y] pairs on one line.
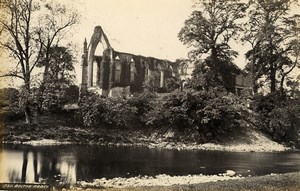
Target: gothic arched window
[[118, 70], [132, 70]]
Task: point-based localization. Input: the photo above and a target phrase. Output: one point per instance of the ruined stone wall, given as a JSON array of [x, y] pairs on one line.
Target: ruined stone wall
[[117, 70], [128, 70]]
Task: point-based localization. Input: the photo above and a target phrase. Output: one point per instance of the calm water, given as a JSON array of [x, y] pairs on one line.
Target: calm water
[[69, 163]]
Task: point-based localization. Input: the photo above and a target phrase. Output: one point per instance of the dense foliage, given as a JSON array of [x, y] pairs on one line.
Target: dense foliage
[[208, 30], [203, 76], [56, 99], [29, 28], [276, 116], [273, 33], [10, 104], [57, 86], [113, 112], [9, 97], [209, 113]]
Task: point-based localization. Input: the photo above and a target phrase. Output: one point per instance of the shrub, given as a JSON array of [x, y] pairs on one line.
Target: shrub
[[142, 101], [9, 97], [277, 116], [112, 112], [211, 112], [55, 100], [219, 112], [9, 105]]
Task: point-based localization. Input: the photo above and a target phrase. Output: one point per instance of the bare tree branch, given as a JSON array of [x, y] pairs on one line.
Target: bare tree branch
[[12, 75]]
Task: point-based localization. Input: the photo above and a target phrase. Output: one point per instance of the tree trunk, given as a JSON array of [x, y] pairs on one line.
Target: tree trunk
[[254, 87], [281, 86], [27, 114], [254, 79], [272, 59], [40, 94], [40, 101], [213, 60], [213, 66], [273, 79], [27, 105]]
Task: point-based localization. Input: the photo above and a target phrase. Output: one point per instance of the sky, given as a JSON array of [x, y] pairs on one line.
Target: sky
[[142, 27]]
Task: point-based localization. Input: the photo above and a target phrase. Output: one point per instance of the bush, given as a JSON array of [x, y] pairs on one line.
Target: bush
[[220, 113], [112, 112], [277, 116], [142, 101], [212, 112], [9, 105], [168, 111], [54, 100], [9, 98]]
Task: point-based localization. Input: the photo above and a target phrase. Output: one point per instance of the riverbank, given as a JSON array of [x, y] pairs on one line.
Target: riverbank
[[259, 143], [280, 182], [46, 133], [159, 180]]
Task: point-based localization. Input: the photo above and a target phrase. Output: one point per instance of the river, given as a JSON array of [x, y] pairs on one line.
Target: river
[[67, 164]]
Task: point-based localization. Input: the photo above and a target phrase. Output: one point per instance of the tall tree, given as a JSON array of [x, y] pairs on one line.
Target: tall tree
[[59, 76], [27, 28], [273, 35], [16, 37], [59, 20], [209, 31]]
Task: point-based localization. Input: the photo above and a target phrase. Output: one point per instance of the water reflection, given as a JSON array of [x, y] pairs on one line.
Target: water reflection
[[65, 165], [23, 164]]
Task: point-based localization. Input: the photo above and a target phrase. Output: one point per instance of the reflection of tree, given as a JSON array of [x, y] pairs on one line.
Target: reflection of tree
[[69, 174], [36, 176], [82, 170], [24, 166], [49, 170], [47, 167], [13, 176]]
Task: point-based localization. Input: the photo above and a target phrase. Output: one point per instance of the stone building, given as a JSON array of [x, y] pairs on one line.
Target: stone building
[[185, 68], [119, 73]]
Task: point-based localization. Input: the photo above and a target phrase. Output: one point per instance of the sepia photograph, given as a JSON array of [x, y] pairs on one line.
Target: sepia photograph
[[159, 95]]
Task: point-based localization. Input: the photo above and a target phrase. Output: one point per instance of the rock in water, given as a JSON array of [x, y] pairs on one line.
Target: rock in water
[[230, 173]]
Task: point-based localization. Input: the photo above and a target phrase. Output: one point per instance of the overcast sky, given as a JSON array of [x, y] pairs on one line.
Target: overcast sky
[[145, 27]]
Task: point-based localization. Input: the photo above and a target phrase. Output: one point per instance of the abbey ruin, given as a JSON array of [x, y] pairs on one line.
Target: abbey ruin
[[119, 73]]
